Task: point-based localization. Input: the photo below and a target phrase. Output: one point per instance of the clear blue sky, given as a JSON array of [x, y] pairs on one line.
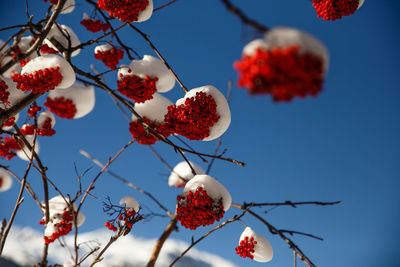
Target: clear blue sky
[[342, 145]]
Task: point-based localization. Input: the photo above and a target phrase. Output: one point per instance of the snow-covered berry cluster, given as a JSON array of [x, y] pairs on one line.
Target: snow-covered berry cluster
[[142, 78], [203, 201], [254, 246], [45, 73], [71, 103], [62, 216], [128, 10], [194, 117], [288, 63], [109, 54], [336, 9], [203, 114]]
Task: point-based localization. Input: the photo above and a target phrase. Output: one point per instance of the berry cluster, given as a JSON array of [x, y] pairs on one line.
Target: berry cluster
[[9, 122], [246, 247], [40, 81], [198, 209], [45, 49], [143, 136], [46, 129], [282, 72], [62, 228], [124, 10], [110, 57], [136, 88], [62, 107], [335, 9], [7, 147], [95, 25], [33, 110], [194, 118], [4, 94], [127, 218]]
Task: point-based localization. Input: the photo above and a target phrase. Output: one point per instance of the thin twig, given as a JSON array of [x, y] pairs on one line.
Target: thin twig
[[160, 242], [274, 230], [146, 37], [165, 5], [98, 163], [245, 19]]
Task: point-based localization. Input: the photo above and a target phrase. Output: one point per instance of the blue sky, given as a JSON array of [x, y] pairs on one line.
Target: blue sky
[[342, 145]]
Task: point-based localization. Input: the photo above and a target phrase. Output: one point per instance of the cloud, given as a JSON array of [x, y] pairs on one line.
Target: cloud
[[24, 246]]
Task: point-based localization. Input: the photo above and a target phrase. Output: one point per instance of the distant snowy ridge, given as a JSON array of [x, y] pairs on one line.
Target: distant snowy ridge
[[24, 246]]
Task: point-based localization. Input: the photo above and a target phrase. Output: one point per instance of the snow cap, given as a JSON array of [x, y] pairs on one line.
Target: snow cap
[[68, 7], [57, 33], [130, 203], [57, 206], [214, 189], [154, 109], [262, 250], [5, 180], [182, 170], [152, 67], [146, 13], [25, 153], [43, 117]]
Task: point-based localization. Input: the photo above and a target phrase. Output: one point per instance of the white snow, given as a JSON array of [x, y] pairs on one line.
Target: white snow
[[214, 189], [6, 181], [153, 109], [152, 67], [130, 203], [183, 170], [69, 6], [61, 35], [25, 153], [262, 250], [146, 14], [25, 245], [43, 117], [102, 48]]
